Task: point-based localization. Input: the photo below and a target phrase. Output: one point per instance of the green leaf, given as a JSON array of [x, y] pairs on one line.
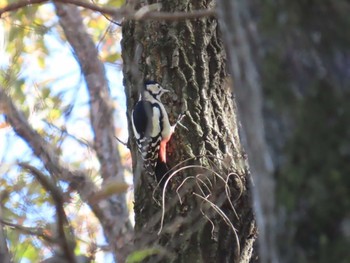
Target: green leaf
[[54, 114], [140, 255], [113, 57], [115, 3], [31, 253], [26, 250]]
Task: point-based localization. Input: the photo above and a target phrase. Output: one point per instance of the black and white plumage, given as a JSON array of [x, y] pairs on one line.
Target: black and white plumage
[[152, 129]]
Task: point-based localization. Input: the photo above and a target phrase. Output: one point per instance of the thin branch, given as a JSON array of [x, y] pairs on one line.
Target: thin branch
[[41, 148], [24, 3], [120, 141], [5, 254], [4, 251], [45, 152], [34, 231], [116, 13], [65, 238], [48, 184], [64, 131]]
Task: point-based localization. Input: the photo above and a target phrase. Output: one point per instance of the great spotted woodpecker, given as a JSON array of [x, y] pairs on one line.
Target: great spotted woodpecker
[[152, 129]]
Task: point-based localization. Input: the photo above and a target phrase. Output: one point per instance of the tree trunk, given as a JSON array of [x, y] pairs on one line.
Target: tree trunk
[[243, 45], [295, 64], [208, 214]]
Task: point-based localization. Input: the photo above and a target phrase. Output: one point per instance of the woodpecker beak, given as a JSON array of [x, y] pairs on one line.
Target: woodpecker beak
[[165, 90]]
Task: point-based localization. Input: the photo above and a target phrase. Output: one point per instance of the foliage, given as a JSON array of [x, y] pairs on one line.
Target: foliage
[[39, 72], [140, 255]]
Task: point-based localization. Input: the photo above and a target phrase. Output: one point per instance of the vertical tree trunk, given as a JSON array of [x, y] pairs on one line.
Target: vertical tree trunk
[[292, 79], [213, 221], [242, 45]]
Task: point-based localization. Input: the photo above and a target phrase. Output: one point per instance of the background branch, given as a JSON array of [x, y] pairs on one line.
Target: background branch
[[102, 122], [35, 231], [46, 153], [4, 251], [65, 236], [43, 150], [117, 13]]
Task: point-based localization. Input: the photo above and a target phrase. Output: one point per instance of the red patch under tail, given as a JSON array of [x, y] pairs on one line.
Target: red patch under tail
[[162, 151]]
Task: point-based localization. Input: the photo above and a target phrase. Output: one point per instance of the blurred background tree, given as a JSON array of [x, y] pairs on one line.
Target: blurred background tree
[[290, 63], [306, 83]]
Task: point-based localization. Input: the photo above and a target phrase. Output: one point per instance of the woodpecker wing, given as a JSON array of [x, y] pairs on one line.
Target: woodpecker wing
[[141, 116], [147, 123]]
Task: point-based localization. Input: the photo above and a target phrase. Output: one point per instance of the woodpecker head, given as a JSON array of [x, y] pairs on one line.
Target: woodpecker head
[[153, 90]]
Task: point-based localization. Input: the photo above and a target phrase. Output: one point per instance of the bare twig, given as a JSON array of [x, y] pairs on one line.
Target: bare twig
[[116, 13], [24, 3], [82, 141], [120, 141]]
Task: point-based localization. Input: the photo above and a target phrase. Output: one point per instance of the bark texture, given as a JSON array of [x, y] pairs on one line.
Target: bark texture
[[208, 215]]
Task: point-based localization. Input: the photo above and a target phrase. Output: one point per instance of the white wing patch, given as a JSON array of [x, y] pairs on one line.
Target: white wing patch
[[155, 122]]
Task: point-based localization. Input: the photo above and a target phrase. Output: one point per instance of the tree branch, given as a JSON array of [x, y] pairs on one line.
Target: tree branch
[[101, 105], [4, 251], [116, 13], [64, 132], [64, 234], [102, 122], [46, 182], [39, 232], [45, 152]]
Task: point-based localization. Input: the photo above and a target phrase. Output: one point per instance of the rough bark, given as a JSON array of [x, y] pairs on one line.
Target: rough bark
[[188, 58]]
